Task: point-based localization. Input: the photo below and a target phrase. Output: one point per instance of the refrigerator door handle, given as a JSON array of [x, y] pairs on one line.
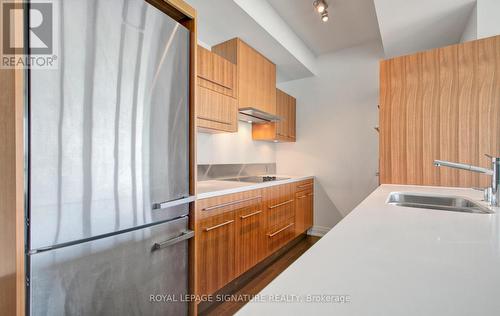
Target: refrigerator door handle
[[183, 200], [184, 236]]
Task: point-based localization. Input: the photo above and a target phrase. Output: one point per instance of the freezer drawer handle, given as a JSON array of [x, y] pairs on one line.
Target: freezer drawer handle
[[164, 205], [185, 235]]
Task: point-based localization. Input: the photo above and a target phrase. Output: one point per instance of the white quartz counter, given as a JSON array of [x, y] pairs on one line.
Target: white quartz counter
[[212, 188], [390, 260]]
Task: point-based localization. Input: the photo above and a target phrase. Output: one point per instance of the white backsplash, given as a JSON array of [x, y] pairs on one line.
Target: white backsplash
[[234, 148]]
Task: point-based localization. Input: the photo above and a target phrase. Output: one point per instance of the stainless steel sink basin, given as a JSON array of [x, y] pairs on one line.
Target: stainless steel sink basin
[[437, 202]]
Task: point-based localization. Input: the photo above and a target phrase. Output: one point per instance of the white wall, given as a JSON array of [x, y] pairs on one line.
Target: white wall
[[470, 31], [488, 18], [484, 21], [229, 148], [336, 140]]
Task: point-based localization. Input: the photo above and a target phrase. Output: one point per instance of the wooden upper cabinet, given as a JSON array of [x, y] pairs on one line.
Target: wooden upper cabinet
[[256, 75], [216, 104], [283, 130]]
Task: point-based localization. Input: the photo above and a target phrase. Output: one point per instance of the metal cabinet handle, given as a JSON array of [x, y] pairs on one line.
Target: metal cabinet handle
[[281, 204], [217, 226], [216, 82], [213, 120], [304, 185], [250, 215], [184, 236], [303, 196], [282, 229], [230, 203]]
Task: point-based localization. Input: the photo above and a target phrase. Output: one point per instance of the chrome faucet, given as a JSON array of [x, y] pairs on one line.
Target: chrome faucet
[[491, 194]]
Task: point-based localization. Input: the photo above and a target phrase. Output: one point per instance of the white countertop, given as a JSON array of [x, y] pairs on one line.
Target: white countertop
[[393, 260], [212, 188]]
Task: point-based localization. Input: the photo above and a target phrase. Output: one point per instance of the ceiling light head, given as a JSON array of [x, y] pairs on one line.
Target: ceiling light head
[[324, 16], [320, 5]]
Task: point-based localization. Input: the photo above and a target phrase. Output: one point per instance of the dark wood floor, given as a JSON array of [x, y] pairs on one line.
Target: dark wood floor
[[259, 282]]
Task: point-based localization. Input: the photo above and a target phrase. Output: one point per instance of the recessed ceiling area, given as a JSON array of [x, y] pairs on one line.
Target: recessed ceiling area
[[351, 22], [221, 20], [415, 25], [291, 34]]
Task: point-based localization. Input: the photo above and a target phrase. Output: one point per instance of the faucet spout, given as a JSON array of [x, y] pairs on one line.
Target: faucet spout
[[462, 166], [492, 194]]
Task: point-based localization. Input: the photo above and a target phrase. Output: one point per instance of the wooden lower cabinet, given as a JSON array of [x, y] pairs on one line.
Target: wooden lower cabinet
[[249, 237], [303, 211], [235, 232], [280, 235], [216, 252], [304, 206], [279, 205]]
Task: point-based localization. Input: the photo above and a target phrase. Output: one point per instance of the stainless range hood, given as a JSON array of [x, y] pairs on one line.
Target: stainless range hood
[[253, 115]]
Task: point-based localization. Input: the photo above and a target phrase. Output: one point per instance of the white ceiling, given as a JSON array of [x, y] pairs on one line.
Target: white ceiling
[[414, 25], [221, 20], [351, 22], [291, 34]]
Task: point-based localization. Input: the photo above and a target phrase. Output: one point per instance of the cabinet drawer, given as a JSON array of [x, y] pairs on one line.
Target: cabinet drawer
[[210, 207], [278, 214], [279, 205], [280, 235], [304, 185]]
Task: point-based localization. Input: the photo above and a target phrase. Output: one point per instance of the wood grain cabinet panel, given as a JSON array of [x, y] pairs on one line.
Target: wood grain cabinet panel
[[303, 211], [256, 75], [215, 111], [279, 204], [440, 104], [216, 104], [250, 237], [216, 252], [235, 232], [283, 130], [280, 235]]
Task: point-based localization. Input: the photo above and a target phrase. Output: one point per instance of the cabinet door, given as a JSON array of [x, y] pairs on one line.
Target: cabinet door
[[250, 237], [292, 126], [282, 112], [303, 211], [256, 80], [216, 73], [216, 252], [216, 111]]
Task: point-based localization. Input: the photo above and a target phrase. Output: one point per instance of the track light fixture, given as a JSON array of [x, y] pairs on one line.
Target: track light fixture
[[321, 6], [324, 16]]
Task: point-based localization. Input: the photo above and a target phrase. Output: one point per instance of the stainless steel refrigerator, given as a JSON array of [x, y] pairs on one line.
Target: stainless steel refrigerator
[[108, 164]]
